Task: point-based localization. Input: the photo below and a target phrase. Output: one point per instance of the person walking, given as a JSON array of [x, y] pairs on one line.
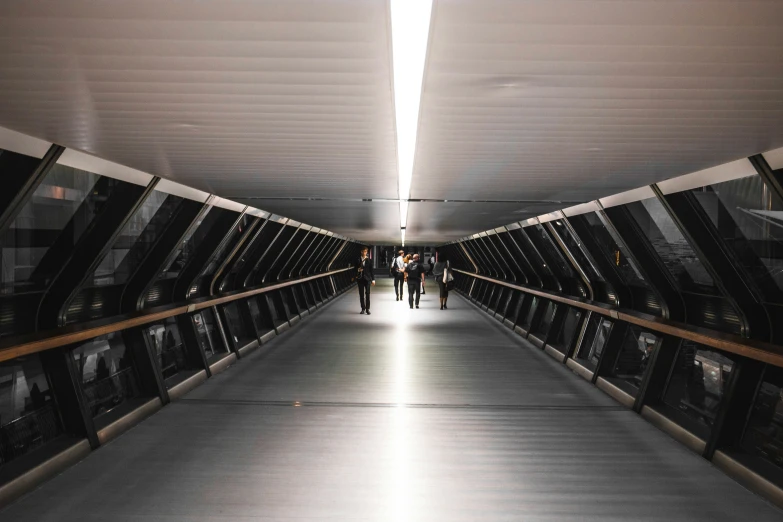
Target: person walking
[[364, 278], [432, 265], [415, 273], [406, 260], [399, 275], [440, 271]]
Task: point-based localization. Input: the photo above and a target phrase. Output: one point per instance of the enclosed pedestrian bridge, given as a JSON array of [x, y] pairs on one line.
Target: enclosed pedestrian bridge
[[188, 188]]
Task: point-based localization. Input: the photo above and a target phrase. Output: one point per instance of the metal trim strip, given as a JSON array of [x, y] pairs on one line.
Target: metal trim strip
[[584, 208], [79, 160], [13, 141], [630, 196], [177, 189], [726, 172], [774, 158]]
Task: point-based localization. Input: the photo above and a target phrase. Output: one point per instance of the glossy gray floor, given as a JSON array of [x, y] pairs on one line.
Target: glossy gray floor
[[405, 415]]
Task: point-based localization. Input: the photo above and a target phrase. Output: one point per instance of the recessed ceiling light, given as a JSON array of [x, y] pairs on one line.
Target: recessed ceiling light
[[410, 27]]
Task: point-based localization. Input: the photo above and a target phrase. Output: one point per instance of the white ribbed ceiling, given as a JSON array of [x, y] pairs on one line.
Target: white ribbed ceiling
[[576, 99], [528, 105]]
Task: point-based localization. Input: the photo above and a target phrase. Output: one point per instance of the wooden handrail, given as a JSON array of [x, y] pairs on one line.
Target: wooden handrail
[[63, 336], [750, 348]]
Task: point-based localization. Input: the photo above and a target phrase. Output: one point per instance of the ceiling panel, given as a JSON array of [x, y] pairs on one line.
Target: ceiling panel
[[433, 223], [286, 98], [375, 222], [573, 100]]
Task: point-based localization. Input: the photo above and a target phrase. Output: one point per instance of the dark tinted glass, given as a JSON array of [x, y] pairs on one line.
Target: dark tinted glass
[[749, 218], [677, 254], [577, 249], [764, 433], [167, 345], [565, 334], [611, 248], [28, 413], [59, 211], [108, 377], [207, 333], [227, 245], [550, 250], [136, 238], [634, 355], [529, 312], [542, 328], [594, 341], [260, 317], [698, 382], [188, 245], [241, 332]]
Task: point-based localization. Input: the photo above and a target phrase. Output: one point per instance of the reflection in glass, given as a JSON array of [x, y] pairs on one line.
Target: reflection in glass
[[613, 252], [698, 381], [549, 249], [749, 218], [207, 333], [530, 312], [222, 252], [564, 336], [117, 267], [28, 413], [60, 210], [676, 253], [188, 245], [577, 249], [594, 341], [764, 433], [108, 378], [166, 343], [542, 328], [240, 331], [634, 355], [259, 317]]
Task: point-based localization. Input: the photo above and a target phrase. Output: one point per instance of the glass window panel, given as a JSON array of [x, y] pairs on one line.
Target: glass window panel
[[260, 318], [542, 328], [108, 378], [565, 335], [676, 253], [225, 248], [577, 249], [241, 332], [698, 382], [136, 238], [207, 333], [764, 433], [594, 341], [167, 344], [749, 218], [28, 412], [60, 209], [634, 355], [550, 250], [611, 249], [188, 245], [531, 310]]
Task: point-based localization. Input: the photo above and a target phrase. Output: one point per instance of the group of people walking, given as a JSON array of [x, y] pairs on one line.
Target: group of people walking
[[406, 269]]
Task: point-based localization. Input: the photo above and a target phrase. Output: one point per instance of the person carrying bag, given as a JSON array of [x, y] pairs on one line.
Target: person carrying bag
[[445, 279]]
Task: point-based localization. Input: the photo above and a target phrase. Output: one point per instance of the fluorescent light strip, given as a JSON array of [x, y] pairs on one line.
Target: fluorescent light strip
[[410, 26]]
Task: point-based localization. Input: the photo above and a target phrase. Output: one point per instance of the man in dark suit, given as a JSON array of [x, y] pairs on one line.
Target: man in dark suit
[[364, 278]]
